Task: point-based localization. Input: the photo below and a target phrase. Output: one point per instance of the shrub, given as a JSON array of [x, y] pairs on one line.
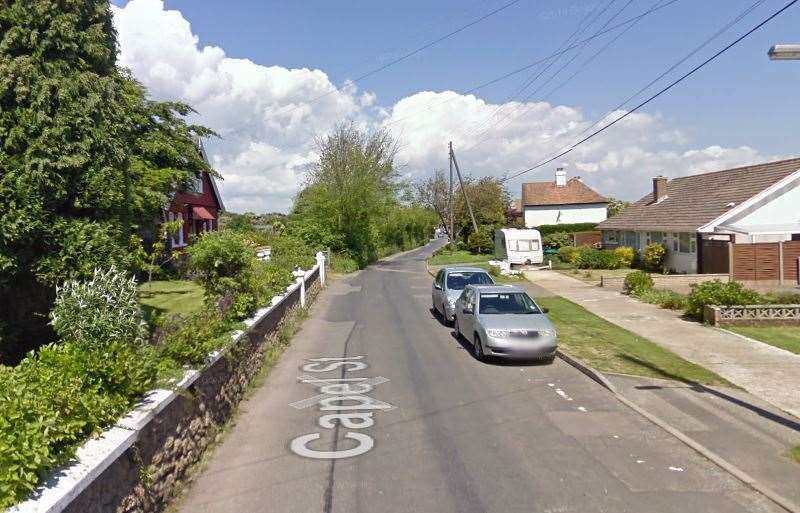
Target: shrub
[[289, 251], [100, 310], [638, 282], [494, 271], [568, 253], [663, 298], [590, 258], [653, 256], [223, 261], [269, 280], [557, 240], [344, 263], [782, 297], [481, 242], [626, 255], [547, 229], [718, 293]]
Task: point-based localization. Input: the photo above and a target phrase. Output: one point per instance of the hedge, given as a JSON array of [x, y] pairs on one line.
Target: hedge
[[547, 229]]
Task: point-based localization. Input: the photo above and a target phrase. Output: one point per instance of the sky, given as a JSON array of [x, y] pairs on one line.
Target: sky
[[272, 78]]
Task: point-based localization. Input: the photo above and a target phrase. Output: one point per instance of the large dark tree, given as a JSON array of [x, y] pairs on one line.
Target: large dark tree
[[84, 157]]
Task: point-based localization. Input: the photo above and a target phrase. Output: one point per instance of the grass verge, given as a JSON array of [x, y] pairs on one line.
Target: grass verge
[[794, 453], [457, 257], [607, 347], [783, 337], [592, 275]]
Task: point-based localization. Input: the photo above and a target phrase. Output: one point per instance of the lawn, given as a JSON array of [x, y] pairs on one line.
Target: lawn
[[794, 453], [457, 257], [170, 297], [500, 278], [784, 337], [593, 276], [607, 347]]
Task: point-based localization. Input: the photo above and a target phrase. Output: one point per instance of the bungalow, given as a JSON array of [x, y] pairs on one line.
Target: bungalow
[[561, 202], [698, 217], [198, 207]]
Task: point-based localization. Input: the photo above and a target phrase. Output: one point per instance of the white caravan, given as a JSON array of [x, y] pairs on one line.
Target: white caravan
[[518, 246]]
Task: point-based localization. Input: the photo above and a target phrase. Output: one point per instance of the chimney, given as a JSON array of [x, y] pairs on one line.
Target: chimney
[[659, 188], [561, 177]]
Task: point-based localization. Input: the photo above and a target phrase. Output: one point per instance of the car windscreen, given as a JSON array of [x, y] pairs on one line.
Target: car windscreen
[[457, 281], [507, 303]]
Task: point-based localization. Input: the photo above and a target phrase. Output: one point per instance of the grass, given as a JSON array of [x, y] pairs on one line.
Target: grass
[[457, 257], [794, 453], [609, 348], [591, 275], [170, 297], [784, 337]]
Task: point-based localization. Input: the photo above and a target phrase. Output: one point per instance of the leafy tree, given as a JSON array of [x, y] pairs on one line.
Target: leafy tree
[[616, 206], [489, 200], [84, 156], [434, 193]]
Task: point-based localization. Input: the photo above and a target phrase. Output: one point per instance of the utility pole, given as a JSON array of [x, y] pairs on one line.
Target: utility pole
[[453, 161], [450, 232]]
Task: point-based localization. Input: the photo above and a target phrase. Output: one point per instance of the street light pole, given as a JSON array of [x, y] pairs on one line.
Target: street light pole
[[784, 52]]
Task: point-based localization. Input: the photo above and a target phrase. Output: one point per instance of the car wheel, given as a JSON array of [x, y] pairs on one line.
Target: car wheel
[[548, 360], [455, 328], [477, 348]]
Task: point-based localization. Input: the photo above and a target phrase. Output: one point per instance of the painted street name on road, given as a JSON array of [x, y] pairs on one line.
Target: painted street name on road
[[345, 397]]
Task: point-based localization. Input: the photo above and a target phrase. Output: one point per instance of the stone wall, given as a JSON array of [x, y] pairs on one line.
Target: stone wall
[[680, 283], [170, 439]]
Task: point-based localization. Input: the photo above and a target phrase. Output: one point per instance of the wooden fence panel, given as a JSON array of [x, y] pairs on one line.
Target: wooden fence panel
[[768, 261], [744, 262], [791, 252]]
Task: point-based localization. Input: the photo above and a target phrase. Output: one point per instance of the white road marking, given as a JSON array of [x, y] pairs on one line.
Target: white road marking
[[305, 403], [676, 469]]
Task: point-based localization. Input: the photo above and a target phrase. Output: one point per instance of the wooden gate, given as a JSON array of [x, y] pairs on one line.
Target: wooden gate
[[714, 257]]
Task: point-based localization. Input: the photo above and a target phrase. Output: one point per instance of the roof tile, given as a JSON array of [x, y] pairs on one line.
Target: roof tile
[[548, 193]]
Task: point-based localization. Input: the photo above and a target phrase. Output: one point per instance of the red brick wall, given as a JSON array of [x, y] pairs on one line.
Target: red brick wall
[[588, 238]]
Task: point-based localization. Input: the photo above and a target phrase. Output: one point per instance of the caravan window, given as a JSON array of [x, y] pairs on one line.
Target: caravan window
[[524, 245]]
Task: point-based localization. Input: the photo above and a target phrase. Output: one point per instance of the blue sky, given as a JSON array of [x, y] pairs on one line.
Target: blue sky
[[742, 99]]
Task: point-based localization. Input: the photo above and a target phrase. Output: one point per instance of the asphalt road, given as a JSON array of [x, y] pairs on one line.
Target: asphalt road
[[447, 433]]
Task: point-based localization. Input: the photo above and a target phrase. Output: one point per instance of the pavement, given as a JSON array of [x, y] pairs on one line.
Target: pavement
[[427, 428], [767, 372]]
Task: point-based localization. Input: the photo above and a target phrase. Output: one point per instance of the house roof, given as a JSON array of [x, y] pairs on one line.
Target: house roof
[[575, 192], [694, 201]]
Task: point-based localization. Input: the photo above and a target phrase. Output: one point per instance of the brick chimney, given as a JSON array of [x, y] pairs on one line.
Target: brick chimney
[[561, 177], [659, 188]]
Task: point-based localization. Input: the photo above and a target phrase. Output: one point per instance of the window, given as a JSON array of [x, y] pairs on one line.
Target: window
[[632, 239], [525, 245], [610, 236], [457, 281], [675, 242], [657, 237], [513, 303], [684, 245], [196, 184]]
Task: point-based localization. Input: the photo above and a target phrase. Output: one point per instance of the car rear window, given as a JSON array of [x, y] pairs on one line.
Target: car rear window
[[459, 280], [507, 303]]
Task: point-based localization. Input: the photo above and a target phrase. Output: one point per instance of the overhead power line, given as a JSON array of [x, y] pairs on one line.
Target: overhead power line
[[657, 94], [537, 62]]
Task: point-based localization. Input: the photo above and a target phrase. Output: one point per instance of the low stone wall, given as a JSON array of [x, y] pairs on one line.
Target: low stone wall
[[680, 283], [142, 462], [752, 315]]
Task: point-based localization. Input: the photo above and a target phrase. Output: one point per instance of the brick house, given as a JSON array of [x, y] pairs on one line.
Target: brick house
[[561, 202], [198, 206], [702, 219]]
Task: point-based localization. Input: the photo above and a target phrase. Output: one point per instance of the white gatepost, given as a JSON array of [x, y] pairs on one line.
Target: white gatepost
[[300, 278], [321, 264]]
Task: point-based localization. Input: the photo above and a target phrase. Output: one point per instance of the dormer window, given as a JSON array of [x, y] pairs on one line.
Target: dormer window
[[196, 184]]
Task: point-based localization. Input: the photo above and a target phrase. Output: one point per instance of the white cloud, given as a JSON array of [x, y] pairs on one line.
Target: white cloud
[[269, 121]]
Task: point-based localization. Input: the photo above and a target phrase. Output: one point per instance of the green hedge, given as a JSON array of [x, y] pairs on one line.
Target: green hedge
[[719, 293], [547, 229]]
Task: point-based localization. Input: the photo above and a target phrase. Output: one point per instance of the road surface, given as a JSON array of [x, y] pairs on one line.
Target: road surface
[[430, 429]]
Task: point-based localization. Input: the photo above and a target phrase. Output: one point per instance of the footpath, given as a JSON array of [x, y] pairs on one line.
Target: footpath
[[749, 428]]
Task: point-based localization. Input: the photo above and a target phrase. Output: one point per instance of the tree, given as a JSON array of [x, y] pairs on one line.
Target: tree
[[434, 193], [350, 190], [490, 202], [616, 206], [84, 158]]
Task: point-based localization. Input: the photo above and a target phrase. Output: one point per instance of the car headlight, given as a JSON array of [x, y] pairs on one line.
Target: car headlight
[[549, 332], [497, 333], [451, 301]]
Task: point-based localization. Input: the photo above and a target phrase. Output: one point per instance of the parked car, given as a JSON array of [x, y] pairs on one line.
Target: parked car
[[503, 321], [450, 282]]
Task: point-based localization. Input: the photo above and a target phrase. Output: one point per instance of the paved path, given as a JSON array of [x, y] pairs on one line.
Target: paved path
[[765, 371], [461, 435]]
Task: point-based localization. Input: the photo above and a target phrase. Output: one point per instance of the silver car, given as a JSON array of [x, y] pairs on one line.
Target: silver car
[[448, 285], [503, 321]]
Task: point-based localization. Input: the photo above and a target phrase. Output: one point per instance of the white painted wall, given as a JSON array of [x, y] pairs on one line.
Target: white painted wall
[[565, 214], [780, 210]]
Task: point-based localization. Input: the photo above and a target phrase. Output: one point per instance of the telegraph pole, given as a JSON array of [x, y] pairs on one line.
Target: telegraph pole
[[453, 161], [451, 232]]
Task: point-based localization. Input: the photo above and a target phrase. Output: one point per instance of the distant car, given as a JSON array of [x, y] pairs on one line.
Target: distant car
[[450, 282], [503, 321]]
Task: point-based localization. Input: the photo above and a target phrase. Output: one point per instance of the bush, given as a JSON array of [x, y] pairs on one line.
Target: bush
[[481, 242], [557, 240], [653, 257], [289, 251], [663, 298], [100, 310], [589, 258], [782, 297], [638, 282], [626, 255], [495, 271], [223, 261], [344, 263], [567, 254], [718, 293]]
